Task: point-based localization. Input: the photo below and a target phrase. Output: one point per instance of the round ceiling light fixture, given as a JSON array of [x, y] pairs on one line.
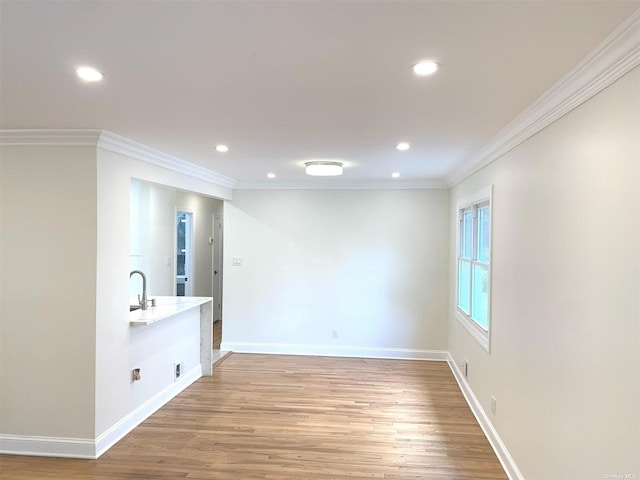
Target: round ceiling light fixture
[[222, 148], [89, 74], [271, 175], [427, 67], [395, 175], [402, 146], [323, 168]]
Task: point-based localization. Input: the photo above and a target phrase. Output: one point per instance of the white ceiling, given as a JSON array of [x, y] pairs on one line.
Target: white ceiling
[[283, 82]]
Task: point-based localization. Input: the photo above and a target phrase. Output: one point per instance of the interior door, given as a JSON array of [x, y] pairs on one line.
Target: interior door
[[217, 268]]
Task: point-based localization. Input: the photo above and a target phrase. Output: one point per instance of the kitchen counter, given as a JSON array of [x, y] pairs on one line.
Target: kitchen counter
[[166, 307]]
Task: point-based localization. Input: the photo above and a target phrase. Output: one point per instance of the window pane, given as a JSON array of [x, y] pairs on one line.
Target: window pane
[[480, 296], [484, 212], [464, 273], [467, 237]]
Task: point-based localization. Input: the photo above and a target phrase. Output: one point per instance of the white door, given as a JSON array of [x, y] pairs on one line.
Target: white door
[[217, 268]]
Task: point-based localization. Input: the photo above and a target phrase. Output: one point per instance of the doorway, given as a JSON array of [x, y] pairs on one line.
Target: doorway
[[216, 255], [184, 253]]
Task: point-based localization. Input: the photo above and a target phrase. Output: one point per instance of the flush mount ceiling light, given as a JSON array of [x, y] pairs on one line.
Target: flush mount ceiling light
[[424, 68], [271, 175], [395, 175], [403, 146], [222, 148], [89, 74], [323, 168]]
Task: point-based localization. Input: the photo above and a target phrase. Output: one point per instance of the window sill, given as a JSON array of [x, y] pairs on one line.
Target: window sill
[[481, 336]]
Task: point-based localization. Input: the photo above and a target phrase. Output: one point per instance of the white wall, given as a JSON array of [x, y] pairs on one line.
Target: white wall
[[371, 264], [152, 226], [48, 291], [66, 346], [152, 242], [564, 356], [204, 209], [119, 348]]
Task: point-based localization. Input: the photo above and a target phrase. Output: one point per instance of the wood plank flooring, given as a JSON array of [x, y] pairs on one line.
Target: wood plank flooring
[[297, 418], [217, 334]]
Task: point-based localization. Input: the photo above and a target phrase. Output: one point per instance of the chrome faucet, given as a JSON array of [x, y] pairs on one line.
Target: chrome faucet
[[141, 301]]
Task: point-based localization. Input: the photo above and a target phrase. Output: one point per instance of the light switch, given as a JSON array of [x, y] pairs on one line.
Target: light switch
[[237, 261]]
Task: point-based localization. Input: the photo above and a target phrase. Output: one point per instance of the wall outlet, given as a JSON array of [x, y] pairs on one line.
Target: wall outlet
[[178, 370], [236, 261], [493, 404], [465, 368], [334, 333]]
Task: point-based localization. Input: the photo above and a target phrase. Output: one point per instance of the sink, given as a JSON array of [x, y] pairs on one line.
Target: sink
[[134, 307]]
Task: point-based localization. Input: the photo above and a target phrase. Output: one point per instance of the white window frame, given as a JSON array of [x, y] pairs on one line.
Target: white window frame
[[482, 197]]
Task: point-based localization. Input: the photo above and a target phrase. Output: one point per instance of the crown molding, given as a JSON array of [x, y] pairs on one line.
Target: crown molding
[[113, 143], [60, 138], [618, 54], [419, 185], [119, 144]]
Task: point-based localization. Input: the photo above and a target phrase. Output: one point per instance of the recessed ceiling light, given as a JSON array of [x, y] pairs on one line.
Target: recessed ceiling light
[[403, 146], [427, 67], [271, 175], [222, 148], [323, 168], [395, 175], [89, 74]]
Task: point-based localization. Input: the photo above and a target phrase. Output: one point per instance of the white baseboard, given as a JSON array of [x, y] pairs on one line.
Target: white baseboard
[[336, 351], [47, 446], [507, 462], [89, 448], [93, 448], [116, 432]]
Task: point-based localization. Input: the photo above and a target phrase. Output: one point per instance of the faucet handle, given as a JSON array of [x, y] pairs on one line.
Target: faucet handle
[[139, 301]]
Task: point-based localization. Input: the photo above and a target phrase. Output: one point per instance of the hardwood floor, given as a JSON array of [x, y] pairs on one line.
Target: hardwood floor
[[217, 334], [291, 417]]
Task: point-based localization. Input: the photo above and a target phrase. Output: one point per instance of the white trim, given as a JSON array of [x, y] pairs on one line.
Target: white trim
[[481, 195], [85, 448], [47, 446], [483, 337], [52, 137], [365, 185], [332, 351], [89, 448], [505, 458], [117, 431], [618, 54], [113, 143], [119, 144]]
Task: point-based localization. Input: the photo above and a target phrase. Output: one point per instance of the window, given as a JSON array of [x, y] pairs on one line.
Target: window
[[473, 299]]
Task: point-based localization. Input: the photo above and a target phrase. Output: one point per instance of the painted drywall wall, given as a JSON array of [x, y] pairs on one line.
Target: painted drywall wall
[[204, 209], [564, 358], [370, 264], [48, 291], [151, 239], [117, 350], [66, 346]]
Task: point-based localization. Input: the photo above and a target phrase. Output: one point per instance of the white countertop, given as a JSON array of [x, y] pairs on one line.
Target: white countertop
[[166, 307]]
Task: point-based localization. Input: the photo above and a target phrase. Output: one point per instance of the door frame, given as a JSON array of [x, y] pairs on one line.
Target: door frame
[[189, 287]]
